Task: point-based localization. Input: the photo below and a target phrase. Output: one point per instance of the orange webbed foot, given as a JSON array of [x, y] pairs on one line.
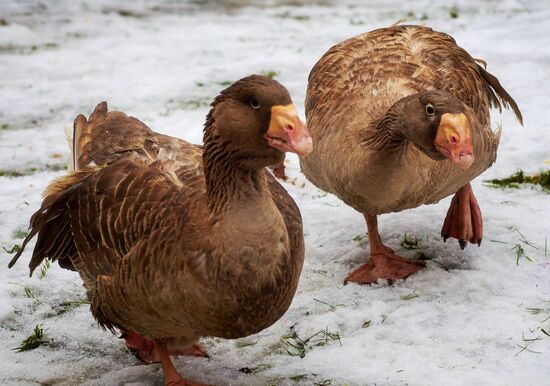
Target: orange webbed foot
[[279, 171], [171, 375], [383, 262], [463, 220], [144, 349], [384, 265]]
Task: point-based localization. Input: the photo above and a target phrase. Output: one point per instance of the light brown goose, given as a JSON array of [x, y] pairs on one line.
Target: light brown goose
[[174, 241], [399, 118]]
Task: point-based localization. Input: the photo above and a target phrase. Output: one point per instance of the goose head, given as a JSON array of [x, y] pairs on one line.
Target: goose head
[[256, 122]]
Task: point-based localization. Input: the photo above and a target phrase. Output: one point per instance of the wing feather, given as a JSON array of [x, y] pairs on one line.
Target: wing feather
[[399, 61]]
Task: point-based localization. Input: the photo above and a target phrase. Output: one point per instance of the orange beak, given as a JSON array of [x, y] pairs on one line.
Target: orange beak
[[454, 141], [287, 132]]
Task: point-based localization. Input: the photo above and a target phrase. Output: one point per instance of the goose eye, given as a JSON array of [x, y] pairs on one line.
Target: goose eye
[[430, 110], [254, 104]]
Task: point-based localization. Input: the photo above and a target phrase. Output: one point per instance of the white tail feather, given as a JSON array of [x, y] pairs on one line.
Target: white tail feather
[[69, 138]]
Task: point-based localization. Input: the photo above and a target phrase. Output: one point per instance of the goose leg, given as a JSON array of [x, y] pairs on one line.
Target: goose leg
[[463, 220], [144, 349], [279, 171], [383, 262], [171, 375]]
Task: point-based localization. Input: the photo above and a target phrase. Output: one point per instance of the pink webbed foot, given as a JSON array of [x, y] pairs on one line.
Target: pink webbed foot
[[385, 265], [279, 171], [463, 220], [171, 375], [383, 262], [144, 349]]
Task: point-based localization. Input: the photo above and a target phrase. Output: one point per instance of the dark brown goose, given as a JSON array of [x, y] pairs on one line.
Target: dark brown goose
[[174, 241], [400, 118]]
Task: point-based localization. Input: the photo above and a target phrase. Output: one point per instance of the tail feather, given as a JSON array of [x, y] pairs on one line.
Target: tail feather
[[79, 127], [47, 222], [52, 224], [104, 137], [108, 135], [498, 96], [84, 135]]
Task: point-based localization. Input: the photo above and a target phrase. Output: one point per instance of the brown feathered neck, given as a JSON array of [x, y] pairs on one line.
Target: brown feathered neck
[[406, 122], [385, 133], [225, 180], [235, 150]]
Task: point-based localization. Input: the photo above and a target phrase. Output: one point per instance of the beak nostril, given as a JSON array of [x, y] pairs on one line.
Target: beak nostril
[[289, 127], [454, 140]]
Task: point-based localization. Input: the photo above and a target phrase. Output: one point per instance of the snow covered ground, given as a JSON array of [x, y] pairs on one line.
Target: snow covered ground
[[461, 321]]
